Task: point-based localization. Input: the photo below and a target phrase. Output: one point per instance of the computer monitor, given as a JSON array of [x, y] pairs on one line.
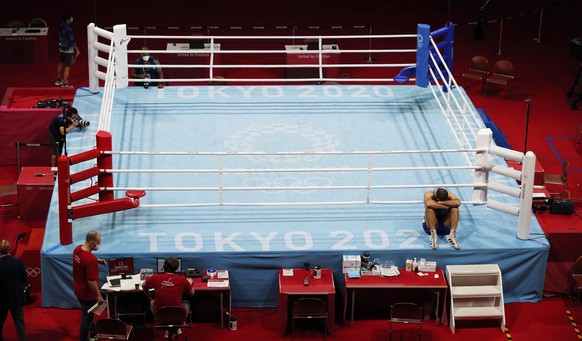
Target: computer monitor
[[160, 265], [196, 44], [313, 45], [119, 266]]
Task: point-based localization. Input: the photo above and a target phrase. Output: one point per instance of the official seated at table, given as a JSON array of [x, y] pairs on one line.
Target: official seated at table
[[151, 69], [170, 289]]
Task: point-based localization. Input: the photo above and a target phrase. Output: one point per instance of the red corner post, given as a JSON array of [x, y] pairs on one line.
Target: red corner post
[[105, 161], [65, 219]]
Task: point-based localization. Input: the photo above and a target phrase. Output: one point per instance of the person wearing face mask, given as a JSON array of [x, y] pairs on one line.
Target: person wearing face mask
[[150, 70], [86, 281], [68, 50]]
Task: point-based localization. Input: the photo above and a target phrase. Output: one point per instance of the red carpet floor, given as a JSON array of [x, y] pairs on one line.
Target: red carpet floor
[[543, 321]]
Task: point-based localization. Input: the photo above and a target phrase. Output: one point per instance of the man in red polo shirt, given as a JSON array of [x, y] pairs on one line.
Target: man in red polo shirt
[[170, 289], [86, 281]]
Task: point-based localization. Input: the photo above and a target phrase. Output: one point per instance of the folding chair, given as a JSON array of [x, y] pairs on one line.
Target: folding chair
[[113, 329], [310, 308], [478, 71], [406, 313], [172, 317]]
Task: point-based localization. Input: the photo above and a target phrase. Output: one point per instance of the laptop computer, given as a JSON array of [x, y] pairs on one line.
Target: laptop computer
[[313, 45], [114, 281], [196, 44]]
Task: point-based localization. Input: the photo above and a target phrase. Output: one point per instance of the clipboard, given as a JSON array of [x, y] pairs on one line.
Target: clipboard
[[97, 308]]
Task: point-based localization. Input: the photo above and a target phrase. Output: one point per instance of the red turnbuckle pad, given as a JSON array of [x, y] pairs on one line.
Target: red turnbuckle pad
[[135, 194]]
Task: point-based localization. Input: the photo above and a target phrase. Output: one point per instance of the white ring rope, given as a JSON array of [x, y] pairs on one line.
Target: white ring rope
[[212, 38], [267, 66], [266, 80], [369, 169], [411, 151], [221, 171], [279, 188], [268, 51], [316, 203], [288, 170], [464, 121]]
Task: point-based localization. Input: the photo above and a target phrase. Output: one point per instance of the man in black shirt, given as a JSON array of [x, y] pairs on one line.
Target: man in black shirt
[[69, 51], [12, 279], [151, 69], [57, 130]]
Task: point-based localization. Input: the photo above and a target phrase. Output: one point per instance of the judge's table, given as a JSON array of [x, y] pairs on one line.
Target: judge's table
[[300, 55], [299, 283]]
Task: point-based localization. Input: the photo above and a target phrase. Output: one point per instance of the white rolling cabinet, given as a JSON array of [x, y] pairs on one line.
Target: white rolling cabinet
[[476, 293]]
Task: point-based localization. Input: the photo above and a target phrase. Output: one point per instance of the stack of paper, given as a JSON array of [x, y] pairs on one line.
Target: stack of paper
[[218, 284], [389, 272], [354, 273], [97, 309]]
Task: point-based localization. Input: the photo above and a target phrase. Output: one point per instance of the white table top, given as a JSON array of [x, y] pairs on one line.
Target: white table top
[[24, 31], [186, 47], [126, 284], [328, 48]]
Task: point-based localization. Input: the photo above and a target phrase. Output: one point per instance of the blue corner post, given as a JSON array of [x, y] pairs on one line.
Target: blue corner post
[[422, 51]]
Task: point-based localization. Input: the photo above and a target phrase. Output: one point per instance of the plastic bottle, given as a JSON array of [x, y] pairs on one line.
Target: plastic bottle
[[408, 265]]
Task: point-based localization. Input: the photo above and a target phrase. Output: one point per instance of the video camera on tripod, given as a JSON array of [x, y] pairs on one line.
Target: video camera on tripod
[[555, 206]]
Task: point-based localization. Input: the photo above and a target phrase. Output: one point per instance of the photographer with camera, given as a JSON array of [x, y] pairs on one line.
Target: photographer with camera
[[68, 120], [154, 71]]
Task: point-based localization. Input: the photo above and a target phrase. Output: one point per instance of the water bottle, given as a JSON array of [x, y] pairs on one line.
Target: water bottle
[[317, 272]]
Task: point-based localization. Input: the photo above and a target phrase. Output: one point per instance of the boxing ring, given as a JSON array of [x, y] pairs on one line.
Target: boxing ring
[[258, 177]]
